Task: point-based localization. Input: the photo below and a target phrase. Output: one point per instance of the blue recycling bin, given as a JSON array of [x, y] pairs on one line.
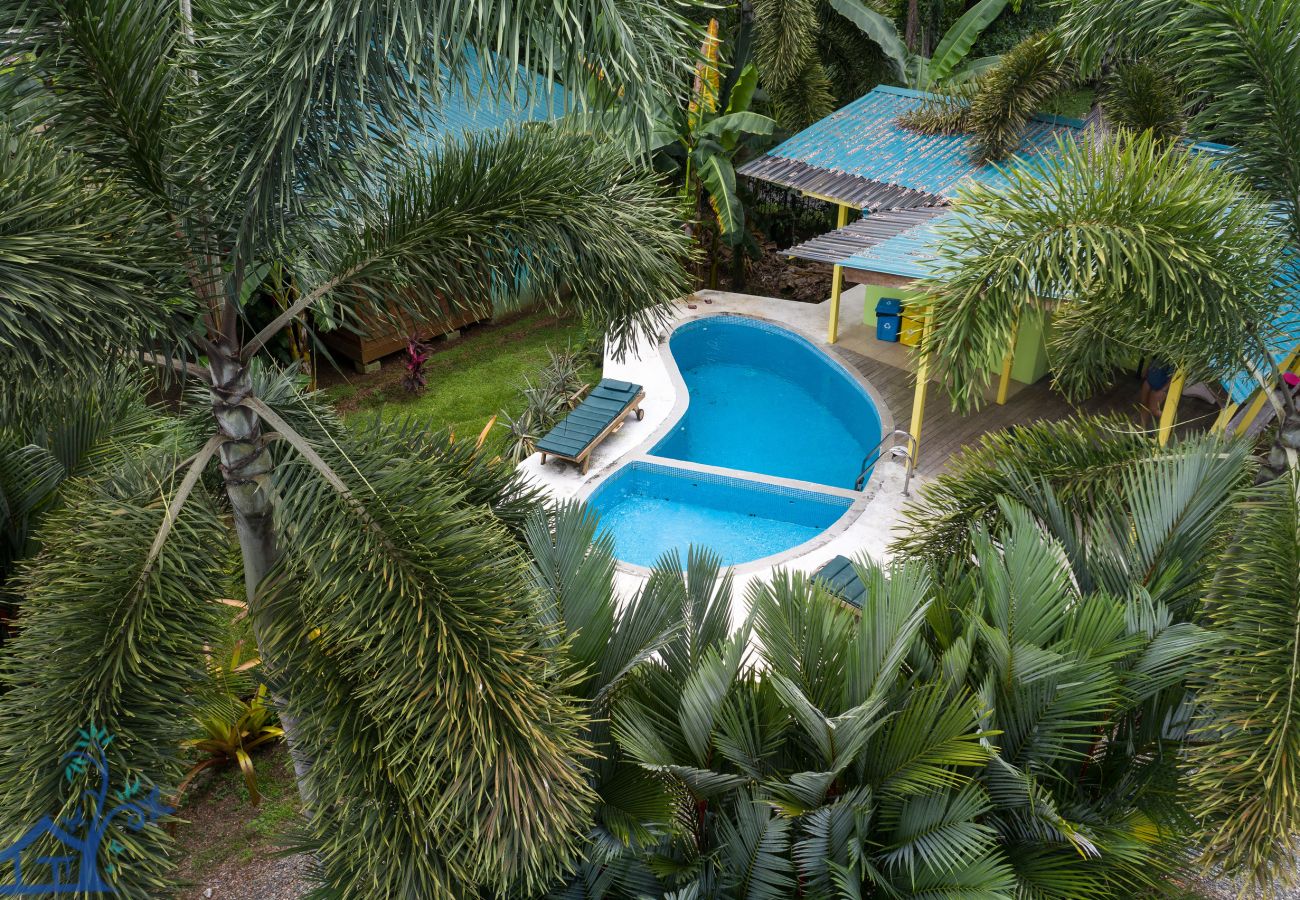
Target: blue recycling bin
[[889, 318]]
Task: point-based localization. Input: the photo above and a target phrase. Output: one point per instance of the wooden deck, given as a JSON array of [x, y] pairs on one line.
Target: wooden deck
[[944, 433]]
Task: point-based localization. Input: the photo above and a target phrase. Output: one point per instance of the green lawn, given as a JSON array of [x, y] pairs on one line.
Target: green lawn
[[470, 379]]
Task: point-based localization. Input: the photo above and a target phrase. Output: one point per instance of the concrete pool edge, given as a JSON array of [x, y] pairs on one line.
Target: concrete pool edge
[[681, 401], [868, 532]]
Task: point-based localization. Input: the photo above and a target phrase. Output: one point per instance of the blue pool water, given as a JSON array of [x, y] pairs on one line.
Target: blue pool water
[[763, 399], [651, 509]]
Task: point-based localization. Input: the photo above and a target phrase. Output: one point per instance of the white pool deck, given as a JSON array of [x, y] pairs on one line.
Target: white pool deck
[[865, 528]]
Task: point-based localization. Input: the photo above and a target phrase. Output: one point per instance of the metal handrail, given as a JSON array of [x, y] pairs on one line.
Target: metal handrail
[[873, 456]]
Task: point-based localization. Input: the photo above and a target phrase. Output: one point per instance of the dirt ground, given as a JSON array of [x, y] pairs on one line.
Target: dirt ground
[[231, 850]]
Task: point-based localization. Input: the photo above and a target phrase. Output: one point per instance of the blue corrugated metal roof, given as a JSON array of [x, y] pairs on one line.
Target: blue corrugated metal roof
[[865, 140], [909, 254], [1284, 331], [485, 100]]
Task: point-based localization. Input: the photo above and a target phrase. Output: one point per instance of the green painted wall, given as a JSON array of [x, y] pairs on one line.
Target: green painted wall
[[1030, 362]]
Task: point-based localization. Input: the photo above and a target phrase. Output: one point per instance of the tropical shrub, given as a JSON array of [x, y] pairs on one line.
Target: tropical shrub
[[231, 739], [417, 354]]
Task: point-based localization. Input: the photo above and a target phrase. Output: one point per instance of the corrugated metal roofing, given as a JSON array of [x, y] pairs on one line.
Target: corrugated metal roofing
[[852, 190], [909, 253], [486, 101], [863, 142], [858, 237], [1285, 331]]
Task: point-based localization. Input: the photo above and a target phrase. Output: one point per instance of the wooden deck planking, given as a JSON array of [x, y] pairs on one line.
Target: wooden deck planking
[[944, 433]]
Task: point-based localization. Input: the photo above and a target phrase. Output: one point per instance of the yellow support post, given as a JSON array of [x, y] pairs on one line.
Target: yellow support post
[[837, 281], [1225, 416], [918, 399], [1261, 396], [1004, 384], [1169, 414]]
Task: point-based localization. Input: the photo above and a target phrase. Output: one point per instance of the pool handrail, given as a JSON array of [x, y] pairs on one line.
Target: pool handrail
[[873, 456]]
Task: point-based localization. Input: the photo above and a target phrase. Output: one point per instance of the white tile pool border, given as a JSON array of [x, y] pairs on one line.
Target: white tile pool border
[[865, 527]]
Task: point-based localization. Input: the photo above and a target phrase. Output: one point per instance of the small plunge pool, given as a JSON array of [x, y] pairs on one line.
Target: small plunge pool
[[651, 509]]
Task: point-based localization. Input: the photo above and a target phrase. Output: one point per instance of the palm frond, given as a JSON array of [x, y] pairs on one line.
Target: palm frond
[[520, 214], [429, 694], [137, 634], [70, 265], [1106, 235], [1028, 75], [1243, 767], [1079, 458], [1142, 95], [296, 97], [113, 63]]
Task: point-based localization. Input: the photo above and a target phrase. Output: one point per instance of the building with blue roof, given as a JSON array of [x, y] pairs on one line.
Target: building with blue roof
[[903, 181], [484, 98]]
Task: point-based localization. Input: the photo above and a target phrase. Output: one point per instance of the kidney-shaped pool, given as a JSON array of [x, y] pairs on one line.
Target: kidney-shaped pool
[[765, 404]]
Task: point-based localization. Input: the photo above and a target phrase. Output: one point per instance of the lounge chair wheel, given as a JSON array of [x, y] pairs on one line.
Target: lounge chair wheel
[[640, 414]]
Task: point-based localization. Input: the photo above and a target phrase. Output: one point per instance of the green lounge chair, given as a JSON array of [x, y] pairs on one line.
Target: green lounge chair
[[842, 579], [597, 417]]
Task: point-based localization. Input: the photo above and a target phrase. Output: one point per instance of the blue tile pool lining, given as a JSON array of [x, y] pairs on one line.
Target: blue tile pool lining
[[844, 504]]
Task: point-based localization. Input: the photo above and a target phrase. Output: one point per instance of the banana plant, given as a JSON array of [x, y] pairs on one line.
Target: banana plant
[[708, 141], [948, 64]]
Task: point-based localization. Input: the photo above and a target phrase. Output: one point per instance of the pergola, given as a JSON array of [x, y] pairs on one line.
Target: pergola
[[902, 182]]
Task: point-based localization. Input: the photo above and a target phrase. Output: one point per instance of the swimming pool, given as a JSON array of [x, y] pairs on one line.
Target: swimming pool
[[763, 399], [650, 509], [763, 458]]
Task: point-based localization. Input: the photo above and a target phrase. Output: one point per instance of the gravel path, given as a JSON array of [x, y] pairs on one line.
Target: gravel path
[[278, 878]]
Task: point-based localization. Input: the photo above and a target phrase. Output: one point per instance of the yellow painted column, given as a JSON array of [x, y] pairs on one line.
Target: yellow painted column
[[1290, 364], [918, 399], [1169, 414], [1004, 384], [1225, 416], [837, 281]]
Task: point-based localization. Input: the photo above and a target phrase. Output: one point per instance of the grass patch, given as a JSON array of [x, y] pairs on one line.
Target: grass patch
[[469, 380], [1074, 104]]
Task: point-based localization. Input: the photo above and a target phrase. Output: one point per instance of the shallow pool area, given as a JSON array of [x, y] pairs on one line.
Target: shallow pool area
[[763, 399], [651, 509]]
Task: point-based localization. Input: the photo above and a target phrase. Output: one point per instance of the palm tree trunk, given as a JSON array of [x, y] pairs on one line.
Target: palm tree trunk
[[1286, 445], [913, 28], [246, 467]]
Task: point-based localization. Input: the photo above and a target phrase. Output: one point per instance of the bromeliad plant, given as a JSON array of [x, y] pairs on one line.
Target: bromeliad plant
[[231, 738], [558, 388], [150, 165]]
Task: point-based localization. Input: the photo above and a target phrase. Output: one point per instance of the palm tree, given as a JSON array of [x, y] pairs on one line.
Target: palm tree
[[152, 163], [1216, 550], [1138, 247]]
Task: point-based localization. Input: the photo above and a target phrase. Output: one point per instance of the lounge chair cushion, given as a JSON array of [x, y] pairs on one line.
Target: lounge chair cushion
[[605, 404], [840, 576]]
